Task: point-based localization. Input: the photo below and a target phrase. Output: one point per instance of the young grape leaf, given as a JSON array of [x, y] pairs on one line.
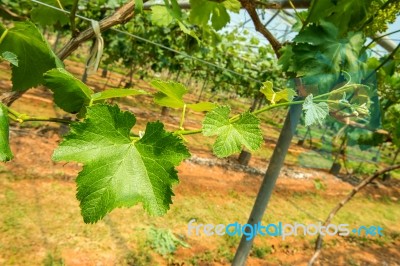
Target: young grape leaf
[[315, 112], [285, 94], [232, 135], [34, 54], [70, 94], [202, 106], [5, 151], [118, 172], [116, 93], [268, 91], [10, 57], [170, 93], [275, 97]]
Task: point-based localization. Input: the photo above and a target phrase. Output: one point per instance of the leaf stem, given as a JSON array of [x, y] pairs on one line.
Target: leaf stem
[[134, 139], [340, 90], [269, 107], [59, 4], [21, 118], [182, 117], [13, 112], [47, 119], [326, 101], [3, 35], [297, 13], [316, 99], [187, 132]]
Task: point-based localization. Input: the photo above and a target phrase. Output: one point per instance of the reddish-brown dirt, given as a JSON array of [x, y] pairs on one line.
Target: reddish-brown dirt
[[33, 160]]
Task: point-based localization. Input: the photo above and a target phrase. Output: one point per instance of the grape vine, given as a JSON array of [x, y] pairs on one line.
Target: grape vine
[[90, 140], [123, 168], [327, 65]]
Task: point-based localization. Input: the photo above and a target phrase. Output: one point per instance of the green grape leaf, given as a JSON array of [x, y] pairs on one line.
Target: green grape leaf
[[34, 54], [320, 9], [202, 106], [47, 16], [160, 16], [188, 31], [118, 172], [164, 15], [321, 34], [116, 93], [202, 10], [275, 97], [346, 14], [232, 135], [323, 48], [70, 94], [232, 5], [10, 57], [170, 93], [319, 54], [315, 112], [286, 58], [138, 6], [5, 151]]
